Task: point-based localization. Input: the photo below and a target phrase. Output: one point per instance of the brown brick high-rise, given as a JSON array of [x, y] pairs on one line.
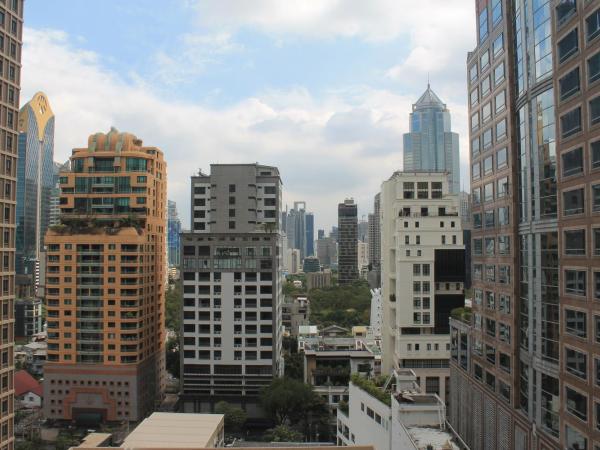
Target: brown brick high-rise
[[105, 283], [11, 27]]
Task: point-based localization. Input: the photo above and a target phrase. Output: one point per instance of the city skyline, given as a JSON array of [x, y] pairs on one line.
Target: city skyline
[[352, 119]]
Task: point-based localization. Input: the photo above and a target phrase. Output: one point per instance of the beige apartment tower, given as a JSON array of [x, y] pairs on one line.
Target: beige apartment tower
[[11, 28], [105, 283]]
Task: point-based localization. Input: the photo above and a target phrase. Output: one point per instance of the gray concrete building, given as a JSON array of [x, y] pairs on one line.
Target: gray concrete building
[[232, 287], [348, 242], [327, 251], [375, 243]]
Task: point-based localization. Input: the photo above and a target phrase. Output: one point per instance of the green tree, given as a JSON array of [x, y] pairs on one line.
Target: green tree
[[173, 307], [235, 417], [172, 357], [282, 433], [285, 397], [294, 365]]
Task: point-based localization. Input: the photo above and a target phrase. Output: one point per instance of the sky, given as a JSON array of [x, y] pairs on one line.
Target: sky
[[322, 89]]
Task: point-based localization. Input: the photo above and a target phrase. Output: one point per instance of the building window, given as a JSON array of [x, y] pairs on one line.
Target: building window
[[570, 123], [574, 440], [474, 121], [501, 130], [499, 74], [232, 225], [576, 404], [501, 158], [490, 301], [477, 220], [503, 216], [485, 86], [593, 65], [474, 96], [490, 245], [500, 101], [504, 274], [568, 46], [592, 25], [488, 166], [488, 192], [476, 171], [596, 198], [498, 45], [569, 84], [576, 323], [502, 187], [483, 25], [575, 242], [572, 162], [595, 111], [576, 363], [486, 112], [504, 303], [597, 285], [565, 10], [575, 282], [484, 61], [496, 12], [489, 219], [477, 247], [487, 138], [476, 196], [504, 245], [473, 72], [573, 202]]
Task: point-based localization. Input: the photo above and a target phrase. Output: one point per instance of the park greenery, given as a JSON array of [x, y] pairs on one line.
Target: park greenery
[[346, 306]]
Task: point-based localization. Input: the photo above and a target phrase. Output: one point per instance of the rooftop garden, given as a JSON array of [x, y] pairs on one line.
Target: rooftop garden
[[371, 388], [463, 314], [94, 225]]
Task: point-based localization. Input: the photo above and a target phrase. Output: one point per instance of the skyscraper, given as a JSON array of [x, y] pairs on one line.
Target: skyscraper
[[105, 283], [310, 234], [35, 181], [431, 145], [525, 361], [422, 275], [232, 287], [375, 239], [173, 240], [348, 242], [12, 29]]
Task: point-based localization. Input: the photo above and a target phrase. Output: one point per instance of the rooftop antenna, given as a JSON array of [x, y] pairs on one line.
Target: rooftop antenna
[[427, 80]]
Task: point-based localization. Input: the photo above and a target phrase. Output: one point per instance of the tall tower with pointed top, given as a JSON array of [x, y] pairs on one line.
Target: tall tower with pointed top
[[431, 145]]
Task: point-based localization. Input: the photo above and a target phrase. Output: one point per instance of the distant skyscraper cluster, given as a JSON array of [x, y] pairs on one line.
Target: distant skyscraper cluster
[[299, 226]]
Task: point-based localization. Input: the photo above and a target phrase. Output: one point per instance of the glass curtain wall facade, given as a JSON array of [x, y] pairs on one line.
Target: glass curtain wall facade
[[542, 392]]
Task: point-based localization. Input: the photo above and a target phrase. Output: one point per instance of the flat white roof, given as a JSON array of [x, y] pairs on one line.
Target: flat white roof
[[175, 430]]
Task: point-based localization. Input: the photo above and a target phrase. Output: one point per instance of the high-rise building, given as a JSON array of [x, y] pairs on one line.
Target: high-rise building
[[334, 233], [12, 32], [327, 252], [422, 275], [526, 356], [232, 287], [431, 145], [54, 208], [310, 234], [105, 283], [363, 230], [173, 240], [35, 181], [348, 242], [375, 240], [320, 234]]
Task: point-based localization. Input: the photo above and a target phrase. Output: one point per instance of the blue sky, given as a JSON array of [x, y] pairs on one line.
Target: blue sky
[[321, 89]]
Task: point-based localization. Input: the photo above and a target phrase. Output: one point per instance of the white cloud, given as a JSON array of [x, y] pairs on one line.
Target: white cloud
[[342, 144], [191, 56]]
